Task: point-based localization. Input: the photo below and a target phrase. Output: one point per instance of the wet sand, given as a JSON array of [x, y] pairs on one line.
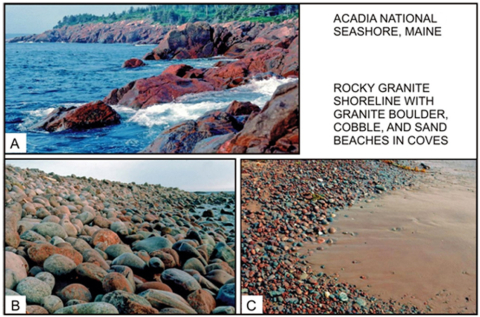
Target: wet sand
[[416, 246]]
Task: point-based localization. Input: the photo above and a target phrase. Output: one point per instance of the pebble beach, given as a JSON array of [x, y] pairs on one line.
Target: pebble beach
[[307, 223], [77, 245]]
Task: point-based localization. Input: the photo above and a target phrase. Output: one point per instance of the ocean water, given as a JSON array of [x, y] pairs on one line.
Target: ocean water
[[43, 76]]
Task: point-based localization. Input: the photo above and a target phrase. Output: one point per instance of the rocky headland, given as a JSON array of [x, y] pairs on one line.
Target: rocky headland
[[260, 50], [142, 31], [76, 245], [289, 204]]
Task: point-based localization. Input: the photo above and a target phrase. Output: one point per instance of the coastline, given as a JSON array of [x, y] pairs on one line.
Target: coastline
[[357, 253], [254, 52], [414, 244]]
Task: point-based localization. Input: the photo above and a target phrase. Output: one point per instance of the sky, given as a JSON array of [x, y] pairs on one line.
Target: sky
[[189, 175], [35, 19]]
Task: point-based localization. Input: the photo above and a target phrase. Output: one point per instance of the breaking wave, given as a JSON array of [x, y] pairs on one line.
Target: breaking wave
[[193, 106]]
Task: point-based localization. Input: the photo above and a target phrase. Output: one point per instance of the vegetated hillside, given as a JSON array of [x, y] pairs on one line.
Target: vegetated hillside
[[179, 14]]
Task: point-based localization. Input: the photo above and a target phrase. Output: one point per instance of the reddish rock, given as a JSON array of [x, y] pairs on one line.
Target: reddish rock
[[172, 252], [276, 52], [238, 108], [40, 252], [12, 238], [153, 285], [179, 70], [91, 272], [133, 63], [36, 310], [115, 281], [91, 115], [289, 142], [75, 291], [202, 301], [107, 236], [290, 63], [94, 257], [167, 259], [102, 222], [220, 266], [156, 90], [190, 40], [279, 118], [17, 264], [228, 76]]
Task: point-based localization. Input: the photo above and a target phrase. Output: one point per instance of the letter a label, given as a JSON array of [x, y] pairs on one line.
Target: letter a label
[[16, 143]]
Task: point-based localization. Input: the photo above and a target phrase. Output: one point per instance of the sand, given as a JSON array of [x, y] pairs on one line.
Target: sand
[[429, 260]]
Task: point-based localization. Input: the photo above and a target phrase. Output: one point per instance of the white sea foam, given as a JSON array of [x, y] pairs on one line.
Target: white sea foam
[[172, 112], [268, 86], [40, 112], [31, 117]]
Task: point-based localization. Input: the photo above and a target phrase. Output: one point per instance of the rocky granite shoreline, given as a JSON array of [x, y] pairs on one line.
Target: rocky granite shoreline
[[142, 32], [77, 245], [260, 50]]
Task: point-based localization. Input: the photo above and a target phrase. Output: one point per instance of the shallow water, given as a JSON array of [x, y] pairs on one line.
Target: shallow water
[[43, 76]]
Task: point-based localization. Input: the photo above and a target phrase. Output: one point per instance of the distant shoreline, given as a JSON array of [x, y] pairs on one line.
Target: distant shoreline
[[14, 35]]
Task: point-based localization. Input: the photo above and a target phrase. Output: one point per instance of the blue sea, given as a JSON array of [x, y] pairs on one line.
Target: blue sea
[[43, 76]]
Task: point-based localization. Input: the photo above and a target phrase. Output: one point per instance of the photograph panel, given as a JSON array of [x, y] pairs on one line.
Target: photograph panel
[[359, 236], [120, 236], [173, 78]]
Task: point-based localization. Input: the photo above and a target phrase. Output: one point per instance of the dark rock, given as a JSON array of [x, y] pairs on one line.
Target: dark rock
[[162, 299], [127, 303], [226, 295], [152, 244], [183, 137], [237, 108], [132, 261], [133, 63], [180, 282]]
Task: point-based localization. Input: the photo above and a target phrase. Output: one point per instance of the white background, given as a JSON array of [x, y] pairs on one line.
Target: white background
[[446, 62]]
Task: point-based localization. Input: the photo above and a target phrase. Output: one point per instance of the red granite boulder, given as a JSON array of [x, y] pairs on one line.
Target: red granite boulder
[[91, 115], [133, 63]]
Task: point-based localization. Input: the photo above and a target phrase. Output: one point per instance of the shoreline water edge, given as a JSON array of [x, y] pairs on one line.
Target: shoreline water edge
[[359, 236], [247, 52]]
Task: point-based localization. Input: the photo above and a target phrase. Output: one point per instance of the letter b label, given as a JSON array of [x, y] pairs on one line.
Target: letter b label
[[15, 305]]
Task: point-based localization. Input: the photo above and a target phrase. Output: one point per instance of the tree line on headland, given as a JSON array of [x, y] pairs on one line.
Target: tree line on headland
[[179, 14]]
